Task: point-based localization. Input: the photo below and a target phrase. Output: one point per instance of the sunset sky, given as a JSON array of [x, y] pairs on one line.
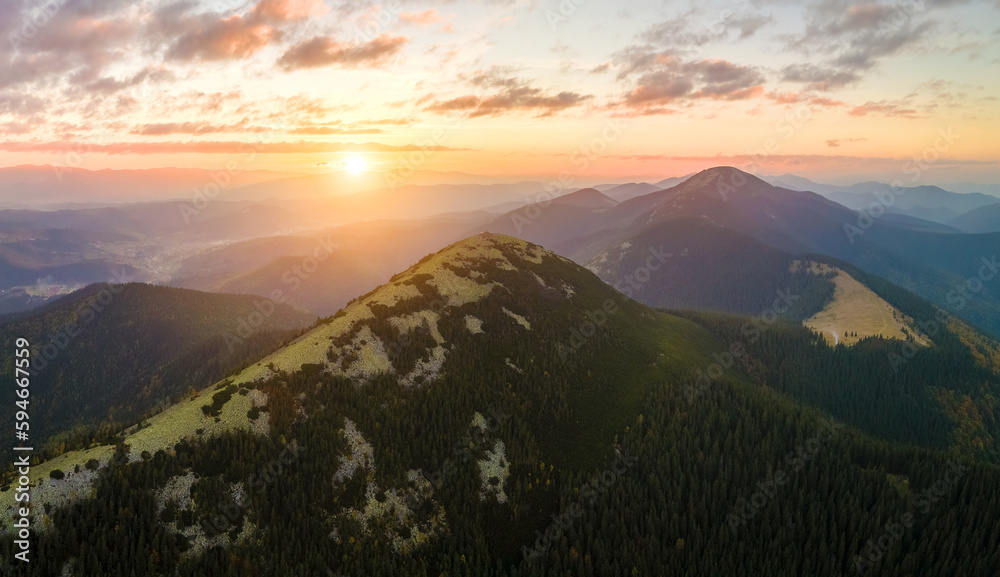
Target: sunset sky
[[826, 89]]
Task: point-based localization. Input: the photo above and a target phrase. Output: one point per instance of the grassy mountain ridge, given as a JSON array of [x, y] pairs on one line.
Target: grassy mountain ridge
[[109, 353], [496, 409], [403, 328], [893, 389]]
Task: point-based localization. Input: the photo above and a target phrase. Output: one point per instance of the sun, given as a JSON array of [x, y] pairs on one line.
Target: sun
[[356, 165]]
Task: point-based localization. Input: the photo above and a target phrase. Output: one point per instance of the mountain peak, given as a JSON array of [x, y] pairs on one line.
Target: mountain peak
[[427, 298], [728, 174], [587, 198], [722, 181]]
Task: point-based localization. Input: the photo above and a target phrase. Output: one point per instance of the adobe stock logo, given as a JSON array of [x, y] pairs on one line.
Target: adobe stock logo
[[293, 278], [632, 283], [887, 198], [587, 329], [877, 548], [33, 22], [957, 298], [767, 489]]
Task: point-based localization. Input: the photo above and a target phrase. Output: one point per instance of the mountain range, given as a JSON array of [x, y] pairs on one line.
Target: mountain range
[[931, 203], [721, 376], [495, 390]]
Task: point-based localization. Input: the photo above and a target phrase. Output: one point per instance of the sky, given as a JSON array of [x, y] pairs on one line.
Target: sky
[[832, 90]]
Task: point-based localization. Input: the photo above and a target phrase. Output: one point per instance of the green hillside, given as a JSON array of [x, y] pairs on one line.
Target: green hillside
[[107, 354], [688, 264], [497, 410]]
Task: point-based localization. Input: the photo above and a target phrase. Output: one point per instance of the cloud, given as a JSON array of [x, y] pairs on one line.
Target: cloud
[[323, 51], [785, 97], [19, 104], [660, 87], [671, 81], [218, 36], [663, 78], [168, 128], [88, 80], [34, 68], [723, 79], [217, 147], [776, 163], [858, 17], [749, 25], [818, 77], [16, 128], [68, 39], [856, 37], [826, 102], [884, 108], [390, 122], [326, 130], [835, 143], [459, 103], [425, 18], [305, 105], [65, 34], [220, 39], [289, 10], [500, 93], [865, 50], [690, 32]]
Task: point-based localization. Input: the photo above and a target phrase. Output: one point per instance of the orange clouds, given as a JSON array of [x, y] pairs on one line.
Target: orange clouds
[[209, 36], [167, 128], [498, 93], [670, 80], [326, 130], [522, 98], [785, 97], [325, 51], [884, 108], [826, 102], [285, 10], [216, 147], [795, 97], [233, 37], [425, 18]]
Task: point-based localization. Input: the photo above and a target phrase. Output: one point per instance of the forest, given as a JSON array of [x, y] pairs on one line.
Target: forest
[[107, 356], [519, 461]]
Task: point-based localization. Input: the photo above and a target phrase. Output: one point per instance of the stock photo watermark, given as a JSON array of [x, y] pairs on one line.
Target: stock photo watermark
[[467, 448], [581, 158], [752, 331], [957, 299], [292, 278], [231, 512], [34, 22], [885, 199], [84, 314], [767, 489], [876, 548], [589, 493]]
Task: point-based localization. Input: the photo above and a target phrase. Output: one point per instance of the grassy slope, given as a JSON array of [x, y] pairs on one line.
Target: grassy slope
[[666, 349], [634, 350], [134, 347], [857, 309]]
